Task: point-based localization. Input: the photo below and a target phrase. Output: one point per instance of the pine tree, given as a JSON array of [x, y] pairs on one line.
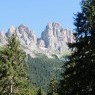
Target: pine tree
[[79, 71], [13, 71], [39, 92], [52, 90]]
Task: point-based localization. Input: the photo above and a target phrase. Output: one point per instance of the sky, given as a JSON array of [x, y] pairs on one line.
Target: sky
[[36, 14]]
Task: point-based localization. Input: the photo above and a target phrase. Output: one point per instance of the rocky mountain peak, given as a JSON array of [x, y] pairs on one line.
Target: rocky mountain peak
[[26, 36], [2, 34], [51, 25], [2, 38], [53, 38], [23, 29], [11, 31], [56, 37]]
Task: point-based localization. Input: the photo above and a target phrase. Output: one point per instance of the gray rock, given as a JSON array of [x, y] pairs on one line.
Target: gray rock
[[55, 37], [2, 38], [11, 31], [40, 43], [26, 36]]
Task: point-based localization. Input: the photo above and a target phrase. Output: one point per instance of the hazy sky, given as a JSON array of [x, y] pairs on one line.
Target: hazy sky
[[37, 13]]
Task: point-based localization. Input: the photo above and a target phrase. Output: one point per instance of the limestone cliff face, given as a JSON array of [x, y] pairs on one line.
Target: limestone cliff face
[[2, 38], [40, 43], [11, 31], [53, 38], [26, 36], [56, 37]]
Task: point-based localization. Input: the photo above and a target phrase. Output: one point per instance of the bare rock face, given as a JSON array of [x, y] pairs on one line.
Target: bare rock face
[[26, 36], [11, 31], [55, 37], [2, 38], [40, 43]]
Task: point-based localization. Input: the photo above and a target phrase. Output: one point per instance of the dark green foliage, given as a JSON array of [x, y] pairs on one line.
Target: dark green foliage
[[39, 92], [13, 74], [52, 89], [79, 71], [41, 69]]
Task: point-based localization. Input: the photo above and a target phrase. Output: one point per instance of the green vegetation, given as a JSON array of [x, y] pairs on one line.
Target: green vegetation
[[52, 89], [13, 74], [41, 69], [79, 70], [39, 92], [23, 75]]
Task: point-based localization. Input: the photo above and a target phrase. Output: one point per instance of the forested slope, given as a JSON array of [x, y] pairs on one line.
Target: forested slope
[[42, 69]]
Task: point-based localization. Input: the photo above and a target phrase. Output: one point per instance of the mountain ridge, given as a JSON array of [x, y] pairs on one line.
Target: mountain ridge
[[53, 39]]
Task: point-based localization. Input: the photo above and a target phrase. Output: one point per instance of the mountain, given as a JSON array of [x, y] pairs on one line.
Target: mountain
[[42, 53], [26, 37], [2, 38], [56, 37], [42, 69], [53, 39]]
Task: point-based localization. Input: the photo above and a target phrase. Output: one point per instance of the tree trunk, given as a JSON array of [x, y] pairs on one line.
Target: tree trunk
[[11, 85]]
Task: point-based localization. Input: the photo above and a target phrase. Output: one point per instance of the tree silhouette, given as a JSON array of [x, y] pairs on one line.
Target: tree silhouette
[[79, 70]]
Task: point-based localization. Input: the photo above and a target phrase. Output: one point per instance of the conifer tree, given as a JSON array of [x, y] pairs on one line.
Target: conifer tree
[[39, 92], [79, 71], [52, 90], [13, 71]]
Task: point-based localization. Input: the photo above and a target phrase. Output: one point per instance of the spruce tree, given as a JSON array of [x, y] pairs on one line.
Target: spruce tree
[[79, 71], [52, 90], [39, 92], [13, 70]]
